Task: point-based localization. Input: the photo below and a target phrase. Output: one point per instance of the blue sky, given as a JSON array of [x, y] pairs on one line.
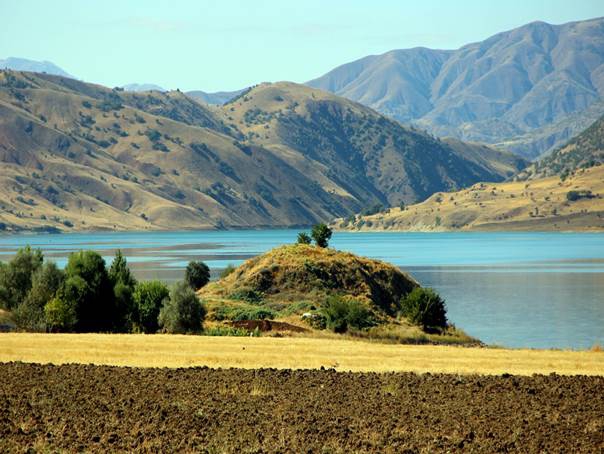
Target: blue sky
[[228, 44]]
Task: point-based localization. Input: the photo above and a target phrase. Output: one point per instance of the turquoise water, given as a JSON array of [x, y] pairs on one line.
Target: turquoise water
[[541, 290]]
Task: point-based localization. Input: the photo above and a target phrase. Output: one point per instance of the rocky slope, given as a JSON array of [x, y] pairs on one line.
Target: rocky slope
[[82, 156], [528, 89]]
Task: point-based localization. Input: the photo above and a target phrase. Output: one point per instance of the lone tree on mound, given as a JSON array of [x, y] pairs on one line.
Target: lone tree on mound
[[197, 275], [321, 234]]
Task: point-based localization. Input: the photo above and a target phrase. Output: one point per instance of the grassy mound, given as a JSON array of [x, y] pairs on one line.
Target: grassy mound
[[295, 273]]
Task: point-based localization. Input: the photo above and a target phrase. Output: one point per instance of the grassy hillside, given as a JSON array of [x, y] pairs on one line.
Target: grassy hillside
[[584, 151], [577, 203], [79, 156]]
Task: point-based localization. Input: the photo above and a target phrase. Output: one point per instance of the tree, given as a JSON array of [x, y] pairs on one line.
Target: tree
[[182, 313], [60, 315], [123, 288], [94, 301], [16, 276], [303, 238], [321, 234], [148, 299], [197, 275], [424, 307], [46, 281]]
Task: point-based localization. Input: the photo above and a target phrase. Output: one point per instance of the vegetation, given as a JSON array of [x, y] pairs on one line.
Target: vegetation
[[197, 275], [321, 234], [342, 314], [228, 270], [303, 238], [182, 313], [148, 299], [424, 307]]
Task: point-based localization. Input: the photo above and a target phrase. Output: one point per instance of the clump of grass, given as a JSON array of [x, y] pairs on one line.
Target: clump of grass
[[597, 348], [228, 270], [230, 331]]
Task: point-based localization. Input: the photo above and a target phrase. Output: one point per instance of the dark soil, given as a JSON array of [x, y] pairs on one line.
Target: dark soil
[[94, 408]]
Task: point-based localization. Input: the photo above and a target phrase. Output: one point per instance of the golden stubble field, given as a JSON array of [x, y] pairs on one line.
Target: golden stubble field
[[290, 353]]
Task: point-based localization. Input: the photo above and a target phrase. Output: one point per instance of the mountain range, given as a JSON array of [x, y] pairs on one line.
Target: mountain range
[[81, 156], [527, 90]]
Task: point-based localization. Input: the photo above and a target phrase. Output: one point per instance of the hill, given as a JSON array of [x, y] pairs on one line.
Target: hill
[[23, 64], [527, 90], [217, 98], [576, 203], [585, 150], [354, 152], [81, 156]]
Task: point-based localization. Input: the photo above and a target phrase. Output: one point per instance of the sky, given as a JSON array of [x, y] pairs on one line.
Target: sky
[[230, 44]]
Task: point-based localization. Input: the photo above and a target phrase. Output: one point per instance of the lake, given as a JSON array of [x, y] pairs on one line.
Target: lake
[[538, 290]]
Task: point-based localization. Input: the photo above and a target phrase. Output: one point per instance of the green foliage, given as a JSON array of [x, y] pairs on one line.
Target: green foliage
[[60, 315], [46, 281], [342, 314], [148, 299], [250, 296], [240, 313], [228, 270], [124, 284], [16, 276], [573, 196], [197, 275], [321, 233], [183, 312], [230, 331], [94, 300], [303, 238], [424, 307]]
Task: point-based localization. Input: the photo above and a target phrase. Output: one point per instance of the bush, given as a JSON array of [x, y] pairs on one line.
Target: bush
[[183, 312], [197, 275], [341, 314], [573, 196], [248, 295], [230, 331], [240, 313], [303, 238], [424, 307], [16, 276], [228, 270], [148, 298], [321, 234], [60, 315]]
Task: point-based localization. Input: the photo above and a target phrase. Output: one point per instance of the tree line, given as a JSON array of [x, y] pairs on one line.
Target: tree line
[[89, 297]]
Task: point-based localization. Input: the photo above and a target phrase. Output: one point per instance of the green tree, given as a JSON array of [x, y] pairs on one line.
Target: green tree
[[94, 301], [197, 275], [123, 288], [148, 299], [16, 276], [182, 313], [303, 238], [60, 315], [321, 233], [424, 307], [46, 281]]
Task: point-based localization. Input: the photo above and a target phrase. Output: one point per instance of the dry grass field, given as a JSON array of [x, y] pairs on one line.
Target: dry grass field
[[289, 353]]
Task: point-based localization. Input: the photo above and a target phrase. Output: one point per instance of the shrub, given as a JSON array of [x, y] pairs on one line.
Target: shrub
[[341, 314], [228, 270], [321, 234], [248, 295], [148, 298], [573, 196], [424, 307], [240, 313], [183, 312], [197, 275], [303, 238], [231, 331], [60, 315], [16, 276]]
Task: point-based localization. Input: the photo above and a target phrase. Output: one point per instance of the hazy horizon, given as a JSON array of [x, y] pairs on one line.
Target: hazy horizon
[[230, 45]]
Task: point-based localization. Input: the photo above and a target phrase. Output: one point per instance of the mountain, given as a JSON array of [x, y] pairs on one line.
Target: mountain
[[218, 98], [22, 64], [78, 156], [143, 87], [521, 90], [584, 151]]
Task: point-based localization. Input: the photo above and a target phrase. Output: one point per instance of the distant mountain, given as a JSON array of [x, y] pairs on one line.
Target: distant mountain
[[522, 89], [581, 152], [22, 64], [77, 156], [218, 98], [143, 87]]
